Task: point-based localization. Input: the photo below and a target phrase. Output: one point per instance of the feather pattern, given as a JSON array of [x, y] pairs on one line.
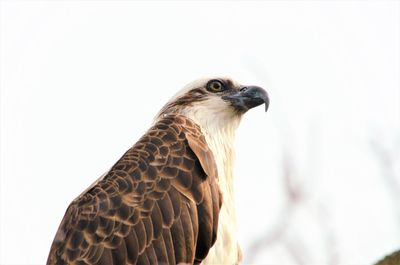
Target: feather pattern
[[150, 206]]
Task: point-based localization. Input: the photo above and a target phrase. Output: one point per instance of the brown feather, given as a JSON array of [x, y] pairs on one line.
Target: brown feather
[[158, 204]]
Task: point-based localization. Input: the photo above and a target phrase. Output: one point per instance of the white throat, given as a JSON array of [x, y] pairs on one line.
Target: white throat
[[219, 131]]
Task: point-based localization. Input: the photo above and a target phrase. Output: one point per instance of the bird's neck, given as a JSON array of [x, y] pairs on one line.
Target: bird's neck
[[221, 143], [220, 140], [219, 133]]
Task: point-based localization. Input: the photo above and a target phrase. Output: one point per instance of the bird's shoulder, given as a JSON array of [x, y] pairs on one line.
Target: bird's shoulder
[[164, 169]]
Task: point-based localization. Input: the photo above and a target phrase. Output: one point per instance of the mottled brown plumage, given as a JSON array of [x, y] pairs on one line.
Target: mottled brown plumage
[[151, 205]]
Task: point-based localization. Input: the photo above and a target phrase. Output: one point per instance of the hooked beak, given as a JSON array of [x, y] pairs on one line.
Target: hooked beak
[[248, 97]]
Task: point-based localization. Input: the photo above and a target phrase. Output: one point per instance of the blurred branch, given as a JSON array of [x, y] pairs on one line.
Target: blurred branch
[[296, 198], [387, 162], [328, 235], [297, 252], [294, 195]]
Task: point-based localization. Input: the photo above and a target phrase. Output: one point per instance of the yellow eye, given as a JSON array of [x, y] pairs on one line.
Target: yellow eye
[[215, 86]]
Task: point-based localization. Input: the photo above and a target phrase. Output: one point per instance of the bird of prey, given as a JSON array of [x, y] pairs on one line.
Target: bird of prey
[[169, 199]]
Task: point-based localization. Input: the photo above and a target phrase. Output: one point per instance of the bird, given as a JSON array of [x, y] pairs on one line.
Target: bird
[[169, 199]]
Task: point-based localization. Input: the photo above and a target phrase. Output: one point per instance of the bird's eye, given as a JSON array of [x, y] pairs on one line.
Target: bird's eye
[[215, 86]]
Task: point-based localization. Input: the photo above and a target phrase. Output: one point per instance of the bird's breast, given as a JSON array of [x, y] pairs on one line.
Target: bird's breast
[[226, 249]]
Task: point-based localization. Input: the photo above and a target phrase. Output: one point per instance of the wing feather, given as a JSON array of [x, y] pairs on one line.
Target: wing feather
[[132, 245], [160, 251], [188, 227], [178, 239], [119, 254], [158, 204], [169, 246]]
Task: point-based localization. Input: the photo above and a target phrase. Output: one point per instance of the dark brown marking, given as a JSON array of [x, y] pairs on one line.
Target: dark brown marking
[[160, 199]]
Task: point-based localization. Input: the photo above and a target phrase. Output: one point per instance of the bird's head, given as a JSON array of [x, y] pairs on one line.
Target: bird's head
[[215, 102]]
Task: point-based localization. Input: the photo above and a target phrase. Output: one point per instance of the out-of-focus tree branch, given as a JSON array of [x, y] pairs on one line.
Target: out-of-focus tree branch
[[329, 236], [297, 251], [298, 196], [294, 196], [387, 159]]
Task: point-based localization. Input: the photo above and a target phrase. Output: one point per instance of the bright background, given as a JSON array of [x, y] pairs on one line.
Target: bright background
[[317, 177]]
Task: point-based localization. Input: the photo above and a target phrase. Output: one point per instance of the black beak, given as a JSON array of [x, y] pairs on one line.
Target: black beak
[[248, 97]]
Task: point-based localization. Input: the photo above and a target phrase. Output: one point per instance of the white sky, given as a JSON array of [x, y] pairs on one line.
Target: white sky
[[82, 80]]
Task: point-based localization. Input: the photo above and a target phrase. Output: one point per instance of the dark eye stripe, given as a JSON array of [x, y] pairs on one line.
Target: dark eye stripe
[[194, 95]]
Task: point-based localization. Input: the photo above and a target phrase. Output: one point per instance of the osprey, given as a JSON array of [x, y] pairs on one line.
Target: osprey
[[169, 199]]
